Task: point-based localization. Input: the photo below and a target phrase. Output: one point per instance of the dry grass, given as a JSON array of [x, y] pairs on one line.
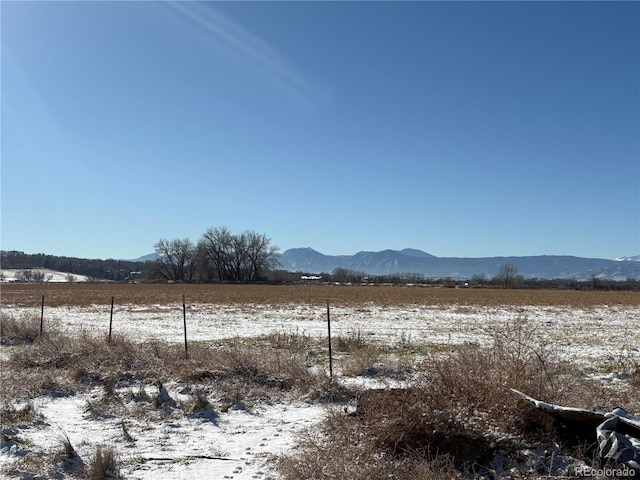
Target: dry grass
[[149, 294], [103, 465], [66, 457], [458, 417], [519, 359], [340, 449], [18, 415], [60, 364], [291, 341], [18, 330], [356, 355]]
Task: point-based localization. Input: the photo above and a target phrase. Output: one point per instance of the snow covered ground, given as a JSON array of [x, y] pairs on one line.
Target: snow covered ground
[[589, 336], [51, 276], [238, 443]]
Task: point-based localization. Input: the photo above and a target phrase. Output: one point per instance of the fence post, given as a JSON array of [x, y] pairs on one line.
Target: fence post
[[329, 337], [42, 316], [111, 319], [184, 318]]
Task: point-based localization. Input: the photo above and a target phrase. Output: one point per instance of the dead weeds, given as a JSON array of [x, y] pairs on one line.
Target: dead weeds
[[459, 420], [59, 364]]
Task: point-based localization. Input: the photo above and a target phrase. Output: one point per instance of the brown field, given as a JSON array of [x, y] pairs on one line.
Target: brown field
[[144, 294]]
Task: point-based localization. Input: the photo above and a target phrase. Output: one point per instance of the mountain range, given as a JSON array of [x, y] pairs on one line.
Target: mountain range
[[409, 260]]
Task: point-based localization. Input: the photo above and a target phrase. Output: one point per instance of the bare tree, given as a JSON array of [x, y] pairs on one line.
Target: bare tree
[[507, 274], [32, 276], [238, 258], [261, 255], [177, 259], [216, 244], [23, 276], [348, 275]]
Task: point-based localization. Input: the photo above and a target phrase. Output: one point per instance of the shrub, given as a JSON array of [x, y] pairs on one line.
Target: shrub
[[343, 448], [67, 455], [103, 465], [452, 421], [18, 331], [290, 341], [25, 414]]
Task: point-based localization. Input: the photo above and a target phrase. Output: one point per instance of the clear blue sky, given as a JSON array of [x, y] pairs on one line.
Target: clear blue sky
[[462, 129]]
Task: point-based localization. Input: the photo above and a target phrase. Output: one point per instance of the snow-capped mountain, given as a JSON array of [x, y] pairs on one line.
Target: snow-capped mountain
[[635, 258], [416, 261]]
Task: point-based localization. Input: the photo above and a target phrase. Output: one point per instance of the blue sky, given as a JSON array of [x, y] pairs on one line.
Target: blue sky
[[464, 129]]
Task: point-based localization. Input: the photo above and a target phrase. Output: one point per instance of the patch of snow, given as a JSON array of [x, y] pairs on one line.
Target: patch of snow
[[586, 336], [53, 276], [635, 258], [237, 444]]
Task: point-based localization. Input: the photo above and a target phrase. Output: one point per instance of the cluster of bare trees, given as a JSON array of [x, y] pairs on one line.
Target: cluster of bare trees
[[218, 256], [32, 276], [507, 277]]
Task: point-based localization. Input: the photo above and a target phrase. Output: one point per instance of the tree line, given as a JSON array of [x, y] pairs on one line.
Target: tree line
[[507, 276], [219, 255], [110, 269]]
